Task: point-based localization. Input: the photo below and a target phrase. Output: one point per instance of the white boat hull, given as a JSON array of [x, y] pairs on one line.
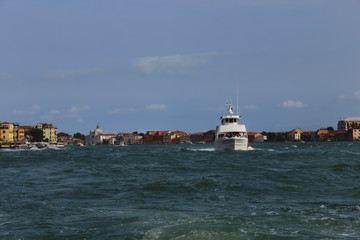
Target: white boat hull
[[231, 144]]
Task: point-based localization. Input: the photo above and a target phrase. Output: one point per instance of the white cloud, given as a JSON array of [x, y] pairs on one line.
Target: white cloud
[[355, 97], [74, 112], [293, 104], [172, 64], [156, 107], [30, 111], [50, 115], [54, 112], [84, 108]]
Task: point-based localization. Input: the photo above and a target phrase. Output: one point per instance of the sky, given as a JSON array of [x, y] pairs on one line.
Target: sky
[[141, 65]]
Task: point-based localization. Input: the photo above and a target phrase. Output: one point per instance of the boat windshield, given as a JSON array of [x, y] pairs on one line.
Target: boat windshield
[[229, 120], [232, 135]]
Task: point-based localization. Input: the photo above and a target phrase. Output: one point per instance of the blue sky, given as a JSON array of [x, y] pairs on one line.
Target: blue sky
[[164, 65]]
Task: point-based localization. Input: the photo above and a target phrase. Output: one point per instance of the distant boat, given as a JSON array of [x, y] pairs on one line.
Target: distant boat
[[231, 135]]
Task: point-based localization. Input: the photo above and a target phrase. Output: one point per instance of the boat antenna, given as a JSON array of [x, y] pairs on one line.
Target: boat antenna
[[237, 98], [237, 105]]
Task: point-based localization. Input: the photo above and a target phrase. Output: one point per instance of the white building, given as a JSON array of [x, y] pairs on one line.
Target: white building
[[94, 138]]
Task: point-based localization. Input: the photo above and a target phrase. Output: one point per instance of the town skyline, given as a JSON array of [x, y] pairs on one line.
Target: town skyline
[[171, 65]]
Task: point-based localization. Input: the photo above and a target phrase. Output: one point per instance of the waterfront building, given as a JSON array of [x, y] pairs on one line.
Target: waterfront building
[[256, 137], [94, 137], [97, 137], [185, 138], [27, 130], [154, 137], [197, 137], [19, 133], [173, 136], [209, 136], [107, 138], [348, 123], [49, 132], [69, 140], [309, 136], [129, 138], [295, 134], [7, 131], [323, 135], [356, 133]]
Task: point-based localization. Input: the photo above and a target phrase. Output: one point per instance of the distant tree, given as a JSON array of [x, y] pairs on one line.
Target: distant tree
[[79, 135], [330, 129], [281, 137], [137, 133], [36, 135], [62, 134]]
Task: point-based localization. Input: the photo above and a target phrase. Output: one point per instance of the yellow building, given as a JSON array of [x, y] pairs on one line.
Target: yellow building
[[7, 131], [49, 132]]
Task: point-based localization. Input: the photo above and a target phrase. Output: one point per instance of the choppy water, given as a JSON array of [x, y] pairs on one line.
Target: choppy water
[[275, 191]]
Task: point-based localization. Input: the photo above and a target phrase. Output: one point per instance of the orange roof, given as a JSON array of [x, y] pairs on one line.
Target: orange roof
[[130, 135], [150, 132], [26, 127], [323, 131], [199, 133], [161, 132]]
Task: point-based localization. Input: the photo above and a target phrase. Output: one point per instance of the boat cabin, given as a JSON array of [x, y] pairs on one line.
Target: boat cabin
[[230, 120]]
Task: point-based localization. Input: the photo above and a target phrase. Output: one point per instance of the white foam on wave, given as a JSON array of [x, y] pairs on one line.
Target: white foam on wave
[[201, 149], [213, 149], [55, 148], [9, 150]]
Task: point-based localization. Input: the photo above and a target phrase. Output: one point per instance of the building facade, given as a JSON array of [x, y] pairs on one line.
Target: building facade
[[356, 134], [295, 134], [209, 136], [197, 137], [7, 131], [49, 132], [348, 123], [94, 137]]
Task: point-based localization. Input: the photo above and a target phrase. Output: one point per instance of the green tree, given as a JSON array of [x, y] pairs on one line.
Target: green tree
[[62, 134], [79, 135], [330, 129], [36, 135]]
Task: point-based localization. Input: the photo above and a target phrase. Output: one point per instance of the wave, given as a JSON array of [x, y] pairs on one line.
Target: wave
[[201, 149]]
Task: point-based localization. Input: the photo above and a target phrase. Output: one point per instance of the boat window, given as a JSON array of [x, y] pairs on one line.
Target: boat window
[[231, 120], [227, 120]]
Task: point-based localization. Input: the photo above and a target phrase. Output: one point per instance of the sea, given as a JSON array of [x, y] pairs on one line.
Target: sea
[[271, 191]]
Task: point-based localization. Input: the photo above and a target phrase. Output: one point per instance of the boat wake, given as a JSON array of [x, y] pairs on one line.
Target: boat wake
[[201, 149]]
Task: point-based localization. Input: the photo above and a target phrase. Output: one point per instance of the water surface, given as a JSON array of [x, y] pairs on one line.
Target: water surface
[[275, 191]]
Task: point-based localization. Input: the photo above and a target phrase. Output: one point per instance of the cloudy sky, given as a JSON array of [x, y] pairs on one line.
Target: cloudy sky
[[138, 65]]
